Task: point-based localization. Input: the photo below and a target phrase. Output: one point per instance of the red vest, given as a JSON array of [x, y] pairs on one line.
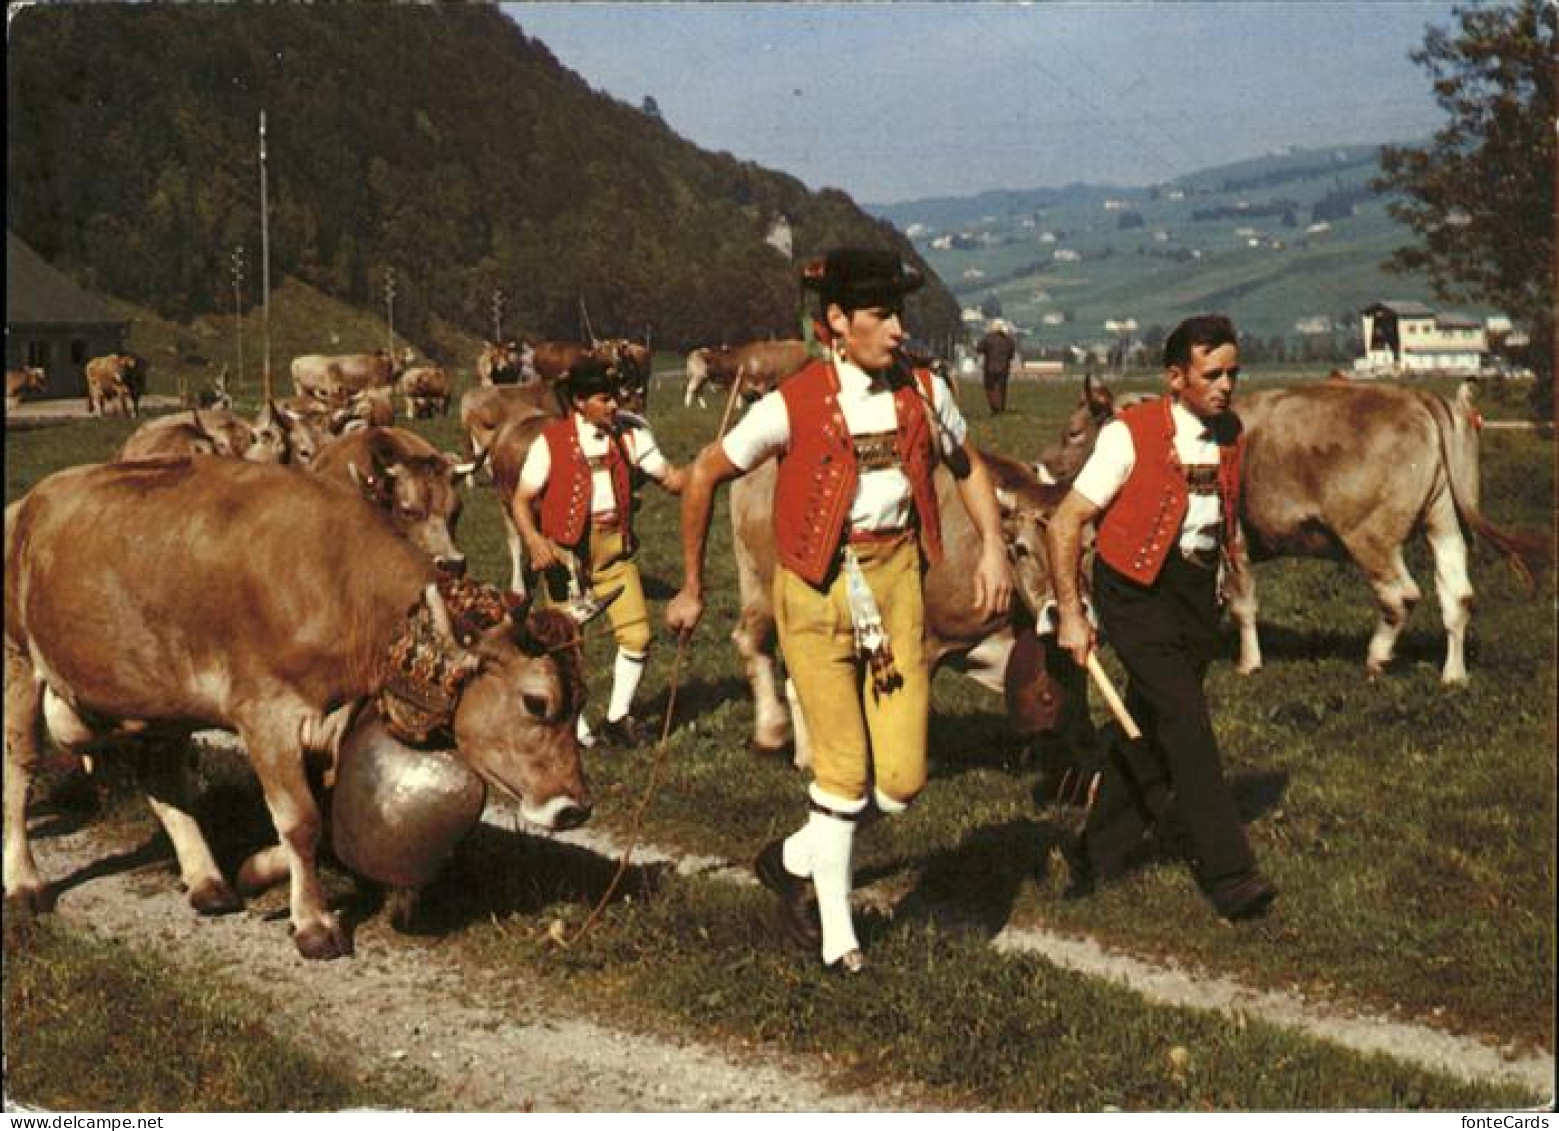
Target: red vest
[[817, 471], [1142, 524], [565, 502]]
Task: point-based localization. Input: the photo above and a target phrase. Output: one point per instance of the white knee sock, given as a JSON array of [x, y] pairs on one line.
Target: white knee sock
[[626, 674], [832, 843], [822, 849], [583, 733]]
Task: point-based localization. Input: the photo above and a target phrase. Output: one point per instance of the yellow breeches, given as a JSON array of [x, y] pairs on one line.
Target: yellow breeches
[[610, 568], [860, 738]]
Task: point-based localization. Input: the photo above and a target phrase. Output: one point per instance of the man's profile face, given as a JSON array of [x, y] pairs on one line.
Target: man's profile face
[[870, 335], [599, 409], [1205, 385]]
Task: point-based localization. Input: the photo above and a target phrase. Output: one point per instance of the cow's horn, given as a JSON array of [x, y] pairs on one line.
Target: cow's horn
[[1006, 500], [446, 628]]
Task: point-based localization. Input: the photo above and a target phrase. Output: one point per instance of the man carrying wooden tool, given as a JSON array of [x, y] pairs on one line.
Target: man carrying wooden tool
[[1164, 482]]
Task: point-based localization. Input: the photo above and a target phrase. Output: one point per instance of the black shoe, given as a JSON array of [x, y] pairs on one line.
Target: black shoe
[[1081, 881], [798, 909], [1245, 896], [850, 962], [625, 733]]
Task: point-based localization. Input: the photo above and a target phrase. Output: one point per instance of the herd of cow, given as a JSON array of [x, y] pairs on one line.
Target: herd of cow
[[198, 605]]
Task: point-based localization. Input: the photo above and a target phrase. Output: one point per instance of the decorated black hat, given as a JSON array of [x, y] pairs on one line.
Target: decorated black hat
[[591, 375], [855, 277]]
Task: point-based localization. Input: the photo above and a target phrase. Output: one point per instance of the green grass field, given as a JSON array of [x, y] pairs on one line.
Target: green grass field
[[1409, 828]]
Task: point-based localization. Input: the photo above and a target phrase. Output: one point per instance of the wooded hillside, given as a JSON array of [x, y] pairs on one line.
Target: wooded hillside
[[439, 141]]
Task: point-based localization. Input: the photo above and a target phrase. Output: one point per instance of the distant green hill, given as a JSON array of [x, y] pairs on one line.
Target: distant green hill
[[438, 140], [1290, 246]]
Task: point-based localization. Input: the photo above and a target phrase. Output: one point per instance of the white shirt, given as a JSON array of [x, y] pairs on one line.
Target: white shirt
[[638, 444], [882, 498], [1114, 456]]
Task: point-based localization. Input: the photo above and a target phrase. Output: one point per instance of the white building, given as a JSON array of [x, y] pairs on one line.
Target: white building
[[1408, 337]]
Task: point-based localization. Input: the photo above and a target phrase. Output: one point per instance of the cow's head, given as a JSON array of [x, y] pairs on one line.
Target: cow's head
[[270, 440], [514, 723], [418, 492], [1026, 507], [1061, 462]]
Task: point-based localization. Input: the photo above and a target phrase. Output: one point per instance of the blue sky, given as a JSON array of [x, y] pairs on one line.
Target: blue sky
[[894, 101]]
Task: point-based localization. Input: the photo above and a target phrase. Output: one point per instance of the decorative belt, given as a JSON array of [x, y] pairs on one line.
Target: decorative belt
[[597, 463], [876, 537], [876, 451], [609, 520], [1202, 478]]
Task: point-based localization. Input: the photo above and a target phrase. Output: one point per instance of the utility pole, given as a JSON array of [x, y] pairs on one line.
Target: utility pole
[[498, 299], [389, 304], [238, 307], [265, 266]]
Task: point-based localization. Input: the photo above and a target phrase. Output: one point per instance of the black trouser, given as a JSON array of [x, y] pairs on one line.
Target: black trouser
[[996, 390], [1165, 634]]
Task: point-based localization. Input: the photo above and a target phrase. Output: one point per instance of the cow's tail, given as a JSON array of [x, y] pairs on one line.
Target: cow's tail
[[1458, 424]]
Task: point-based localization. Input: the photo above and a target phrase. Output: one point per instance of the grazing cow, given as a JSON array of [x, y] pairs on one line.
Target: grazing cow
[[374, 407], [505, 363], [19, 382], [1349, 472], [117, 379], [761, 366], [214, 431], [1045, 691], [484, 411], [329, 378], [408, 479], [269, 603], [426, 389]]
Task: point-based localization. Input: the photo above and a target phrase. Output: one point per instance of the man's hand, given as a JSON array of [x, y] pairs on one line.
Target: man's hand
[[544, 553], [684, 612], [992, 580], [1075, 635]]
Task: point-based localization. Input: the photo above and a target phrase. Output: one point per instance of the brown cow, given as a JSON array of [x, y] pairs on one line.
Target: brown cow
[[426, 389], [205, 606], [215, 431], [335, 376], [505, 363], [507, 455], [19, 382], [483, 411], [981, 648], [761, 366], [1350, 472], [408, 479], [629, 360], [117, 379]]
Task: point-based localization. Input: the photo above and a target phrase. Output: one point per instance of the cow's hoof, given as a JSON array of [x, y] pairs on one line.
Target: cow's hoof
[[26, 902], [215, 897], [768, 750], [323, 940], [401, 904]]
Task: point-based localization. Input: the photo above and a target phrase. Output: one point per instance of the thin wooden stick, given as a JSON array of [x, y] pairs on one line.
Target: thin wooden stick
[[1101, 680]]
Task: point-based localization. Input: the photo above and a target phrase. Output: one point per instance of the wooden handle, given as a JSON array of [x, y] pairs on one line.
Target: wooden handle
[[1101, 680], [730, 402]]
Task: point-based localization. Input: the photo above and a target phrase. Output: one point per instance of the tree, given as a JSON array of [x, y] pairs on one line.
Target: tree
[[1480, 195]]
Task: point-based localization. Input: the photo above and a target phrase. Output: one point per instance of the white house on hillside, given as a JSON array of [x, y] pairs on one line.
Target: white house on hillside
[[1408, 337]]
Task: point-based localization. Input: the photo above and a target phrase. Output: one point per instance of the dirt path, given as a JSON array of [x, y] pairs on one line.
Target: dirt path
[[398, 1004], [482, 1059]]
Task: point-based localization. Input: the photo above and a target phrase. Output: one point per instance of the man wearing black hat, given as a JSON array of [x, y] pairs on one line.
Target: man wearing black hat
[[1164, 485], [580, 475], [857, 437]]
